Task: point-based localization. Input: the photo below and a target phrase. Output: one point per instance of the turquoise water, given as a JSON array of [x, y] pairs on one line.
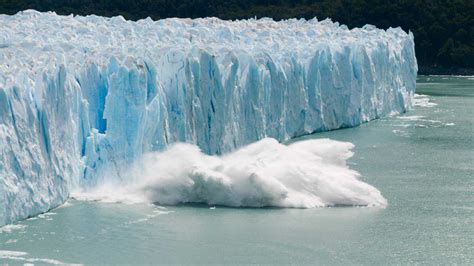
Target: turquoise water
[[422, 162]]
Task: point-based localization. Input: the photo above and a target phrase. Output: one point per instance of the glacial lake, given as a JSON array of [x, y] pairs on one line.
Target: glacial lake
[[421, 161]]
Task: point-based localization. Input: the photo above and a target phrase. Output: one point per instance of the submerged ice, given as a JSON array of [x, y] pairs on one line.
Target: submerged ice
[[82, 99]]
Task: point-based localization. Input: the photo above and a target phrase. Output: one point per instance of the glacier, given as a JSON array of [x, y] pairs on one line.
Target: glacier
[[82, 99]]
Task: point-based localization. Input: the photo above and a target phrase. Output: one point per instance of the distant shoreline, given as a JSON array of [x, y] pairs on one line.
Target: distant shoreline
[[423, 70]]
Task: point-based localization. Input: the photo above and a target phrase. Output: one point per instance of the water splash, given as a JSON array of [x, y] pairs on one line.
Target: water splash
[[305, 174]]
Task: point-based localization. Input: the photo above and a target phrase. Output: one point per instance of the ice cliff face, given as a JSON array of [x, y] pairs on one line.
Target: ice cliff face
[[81, 98]]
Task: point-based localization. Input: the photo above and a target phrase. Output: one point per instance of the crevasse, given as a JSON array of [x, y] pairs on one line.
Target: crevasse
[[82, 98]]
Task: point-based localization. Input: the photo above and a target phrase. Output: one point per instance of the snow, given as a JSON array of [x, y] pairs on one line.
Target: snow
[[83, 98]]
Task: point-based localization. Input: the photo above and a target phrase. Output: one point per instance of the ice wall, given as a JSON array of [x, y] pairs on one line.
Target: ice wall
[[81, 98]]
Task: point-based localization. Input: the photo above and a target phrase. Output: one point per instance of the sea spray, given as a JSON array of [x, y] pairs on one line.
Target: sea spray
[[305, 174]]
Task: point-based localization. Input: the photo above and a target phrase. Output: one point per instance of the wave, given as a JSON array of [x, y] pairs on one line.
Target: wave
[[305, 174]]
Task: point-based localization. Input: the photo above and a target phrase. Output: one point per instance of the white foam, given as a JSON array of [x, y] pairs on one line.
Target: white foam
[[401, 133], [47, 216], [305, 174], [428, 123], [65, 205], [12, 253], [12, 227], [148, 217], [20, 256], [412, 117], [422, 100]]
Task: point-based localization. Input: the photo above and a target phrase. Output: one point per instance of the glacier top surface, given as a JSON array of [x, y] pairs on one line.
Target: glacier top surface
[[32, 40]]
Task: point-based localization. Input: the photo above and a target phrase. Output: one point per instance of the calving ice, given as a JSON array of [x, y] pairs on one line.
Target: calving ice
[[84, 99]]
